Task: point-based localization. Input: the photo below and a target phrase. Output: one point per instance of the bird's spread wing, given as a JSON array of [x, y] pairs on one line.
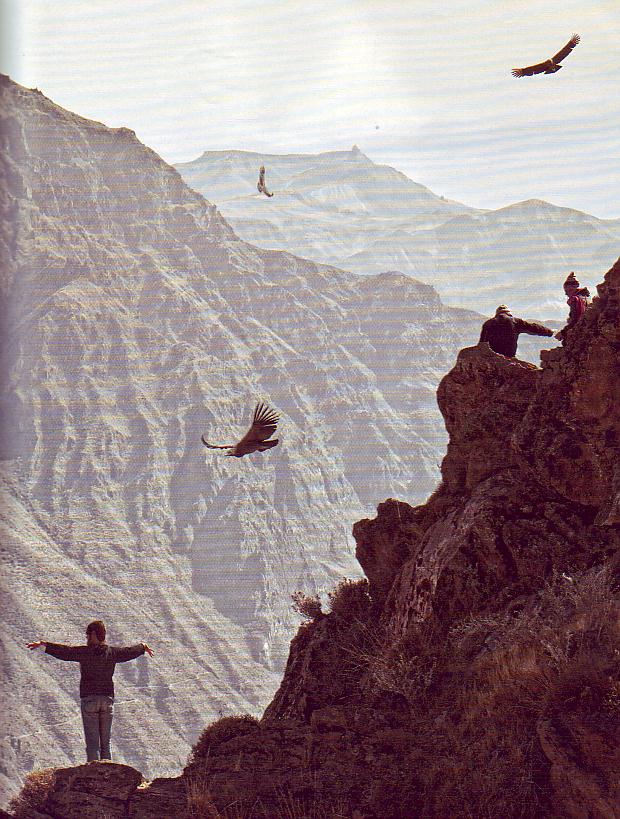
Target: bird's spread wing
[[214, 446], [564, 52], [264, 424], [556, 59], [530, 69]]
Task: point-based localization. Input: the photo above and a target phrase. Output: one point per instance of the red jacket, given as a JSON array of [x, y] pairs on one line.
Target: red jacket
[[577, 304]]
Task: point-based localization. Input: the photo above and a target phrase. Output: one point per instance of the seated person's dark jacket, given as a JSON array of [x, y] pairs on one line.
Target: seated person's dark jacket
[[97, 664], [502, 333]]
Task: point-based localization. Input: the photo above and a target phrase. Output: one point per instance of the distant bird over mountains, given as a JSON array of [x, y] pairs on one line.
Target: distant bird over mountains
[[264, 424], [551, 65], [262, 188]]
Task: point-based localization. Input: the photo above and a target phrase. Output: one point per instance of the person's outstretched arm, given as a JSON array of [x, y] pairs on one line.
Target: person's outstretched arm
[[122, 655], [533, 328], [61, 652]]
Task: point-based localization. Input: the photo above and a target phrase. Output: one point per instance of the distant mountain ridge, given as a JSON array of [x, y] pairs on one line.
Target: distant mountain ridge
[[318, 175], [341, 208]]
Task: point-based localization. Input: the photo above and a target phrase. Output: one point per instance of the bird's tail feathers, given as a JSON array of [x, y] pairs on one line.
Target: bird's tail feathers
[[214, 446]]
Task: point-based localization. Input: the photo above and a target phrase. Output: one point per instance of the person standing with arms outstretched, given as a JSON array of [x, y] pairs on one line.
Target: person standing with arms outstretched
[[97, 663]]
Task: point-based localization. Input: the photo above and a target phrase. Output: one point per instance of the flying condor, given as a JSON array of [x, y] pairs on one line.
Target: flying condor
[[264, 424], [549, 66], [262, 188]]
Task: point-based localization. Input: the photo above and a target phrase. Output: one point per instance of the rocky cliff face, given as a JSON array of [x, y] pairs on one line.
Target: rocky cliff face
[[137, 320], [476, 671]]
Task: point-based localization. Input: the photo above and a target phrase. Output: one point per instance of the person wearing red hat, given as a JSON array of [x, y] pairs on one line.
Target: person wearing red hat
[[577, 302]]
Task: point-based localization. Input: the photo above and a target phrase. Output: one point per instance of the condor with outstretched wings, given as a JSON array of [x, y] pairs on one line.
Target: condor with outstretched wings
[[262, 188], [549, 66], [264, 424]]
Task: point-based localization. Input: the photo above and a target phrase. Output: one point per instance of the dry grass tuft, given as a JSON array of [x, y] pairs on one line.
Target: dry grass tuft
[[350, 600], [309, 606], [557, 653], [199, 801], [33, 794], [317, 805], [392, 664], [478, 695]]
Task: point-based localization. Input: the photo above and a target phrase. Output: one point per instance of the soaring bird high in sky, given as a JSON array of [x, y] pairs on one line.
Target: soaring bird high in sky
[[551, 65], [264, 424]]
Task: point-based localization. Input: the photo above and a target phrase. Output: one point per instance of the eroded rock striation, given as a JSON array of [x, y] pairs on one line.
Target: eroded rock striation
[[476, 671]]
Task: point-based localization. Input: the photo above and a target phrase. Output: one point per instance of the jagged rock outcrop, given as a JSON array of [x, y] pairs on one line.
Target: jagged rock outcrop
[[99, 790], [477, 673], [483, 399], [384, 544], [571, 435], [485, 537]]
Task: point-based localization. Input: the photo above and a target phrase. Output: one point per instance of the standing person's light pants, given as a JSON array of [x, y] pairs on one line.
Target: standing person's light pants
[[97, 713]]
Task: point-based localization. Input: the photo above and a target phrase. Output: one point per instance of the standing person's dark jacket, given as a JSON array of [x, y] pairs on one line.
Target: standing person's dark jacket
[[502, 332], [97, 664]]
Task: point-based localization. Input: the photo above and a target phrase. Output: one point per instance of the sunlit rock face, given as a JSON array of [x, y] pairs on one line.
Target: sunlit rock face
[[136, 320], [342, 208]]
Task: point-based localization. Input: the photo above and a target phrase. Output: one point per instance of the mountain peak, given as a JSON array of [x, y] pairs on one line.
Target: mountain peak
[[534, 205]]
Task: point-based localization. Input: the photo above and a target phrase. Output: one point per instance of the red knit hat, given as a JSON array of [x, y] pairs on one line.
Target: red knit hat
[[571, 280]]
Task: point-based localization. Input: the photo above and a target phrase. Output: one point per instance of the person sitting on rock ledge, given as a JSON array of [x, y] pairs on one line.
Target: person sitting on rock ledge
[[97, 663], [502, 332], [577, 302]]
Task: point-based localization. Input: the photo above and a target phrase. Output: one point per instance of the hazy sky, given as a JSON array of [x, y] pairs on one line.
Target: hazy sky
[[423, 86]]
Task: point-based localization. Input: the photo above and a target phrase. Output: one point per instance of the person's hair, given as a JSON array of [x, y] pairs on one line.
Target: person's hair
[[98, 626]]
